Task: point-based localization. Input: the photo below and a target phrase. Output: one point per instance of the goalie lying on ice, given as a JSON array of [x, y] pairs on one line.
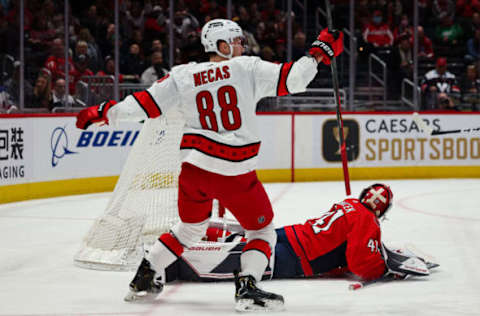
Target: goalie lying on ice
[[347, 238]]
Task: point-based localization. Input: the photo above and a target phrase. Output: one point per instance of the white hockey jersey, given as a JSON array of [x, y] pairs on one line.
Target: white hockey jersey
[[218, 101]]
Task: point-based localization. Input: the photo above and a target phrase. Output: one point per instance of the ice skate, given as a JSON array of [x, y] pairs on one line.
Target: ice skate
[[146, 285], [249, 297]]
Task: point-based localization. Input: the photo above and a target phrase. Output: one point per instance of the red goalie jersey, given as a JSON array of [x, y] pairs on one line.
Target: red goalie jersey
[[348, 235]]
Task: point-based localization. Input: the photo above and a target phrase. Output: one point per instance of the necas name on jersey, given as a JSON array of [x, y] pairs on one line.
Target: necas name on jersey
[[211, 75]]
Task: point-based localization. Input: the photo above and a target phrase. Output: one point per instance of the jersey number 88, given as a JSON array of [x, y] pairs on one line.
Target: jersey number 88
[[229, 113]]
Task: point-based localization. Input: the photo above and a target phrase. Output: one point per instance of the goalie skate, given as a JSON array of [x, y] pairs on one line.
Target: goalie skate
[[145, 286], [249, 298]]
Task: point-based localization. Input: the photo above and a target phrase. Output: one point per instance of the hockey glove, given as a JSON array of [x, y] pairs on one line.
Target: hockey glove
[[94, 114], [329, 44]]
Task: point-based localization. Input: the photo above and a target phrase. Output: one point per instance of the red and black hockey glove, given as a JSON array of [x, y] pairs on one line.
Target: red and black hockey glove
[[329, 44], [94, 114]]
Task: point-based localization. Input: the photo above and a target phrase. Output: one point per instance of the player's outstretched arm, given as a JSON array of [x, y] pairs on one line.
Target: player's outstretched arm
[[136, 107]]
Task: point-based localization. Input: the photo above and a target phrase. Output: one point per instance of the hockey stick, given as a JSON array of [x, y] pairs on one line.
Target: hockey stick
[[430, 131], [362, 284], [333, 67]]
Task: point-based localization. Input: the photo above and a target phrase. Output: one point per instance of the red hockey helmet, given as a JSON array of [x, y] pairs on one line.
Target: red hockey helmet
[[378, 198]]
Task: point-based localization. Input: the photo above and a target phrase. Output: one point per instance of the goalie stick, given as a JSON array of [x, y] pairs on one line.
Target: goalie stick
[[430, 131], [333, 67]]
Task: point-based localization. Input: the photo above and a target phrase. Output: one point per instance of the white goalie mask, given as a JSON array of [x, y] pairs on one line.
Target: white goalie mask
[[220, 30]]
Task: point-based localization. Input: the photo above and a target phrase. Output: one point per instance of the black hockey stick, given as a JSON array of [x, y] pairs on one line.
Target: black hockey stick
[[333, 67], [430, 131], [362, 284]]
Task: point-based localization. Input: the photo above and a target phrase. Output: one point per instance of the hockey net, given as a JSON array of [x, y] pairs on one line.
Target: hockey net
[[144, 202]]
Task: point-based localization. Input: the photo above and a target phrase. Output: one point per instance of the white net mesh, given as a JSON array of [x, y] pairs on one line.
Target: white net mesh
[[144, 202]]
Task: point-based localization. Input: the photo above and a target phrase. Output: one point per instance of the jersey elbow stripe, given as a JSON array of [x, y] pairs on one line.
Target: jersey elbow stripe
[[147, 103], [218, 150], [282, 79]]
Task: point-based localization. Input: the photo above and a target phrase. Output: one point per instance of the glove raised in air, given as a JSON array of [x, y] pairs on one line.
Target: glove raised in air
[[329, 44], [94, 114]]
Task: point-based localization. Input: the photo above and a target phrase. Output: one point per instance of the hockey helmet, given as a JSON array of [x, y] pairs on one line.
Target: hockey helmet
[[220, 30], [377, 197]]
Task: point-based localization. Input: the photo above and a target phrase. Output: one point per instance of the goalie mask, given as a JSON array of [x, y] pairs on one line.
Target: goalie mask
[[378, 198], [221, 30]]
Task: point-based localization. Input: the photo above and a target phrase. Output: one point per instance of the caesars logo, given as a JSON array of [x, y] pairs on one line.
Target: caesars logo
[[331, 140]]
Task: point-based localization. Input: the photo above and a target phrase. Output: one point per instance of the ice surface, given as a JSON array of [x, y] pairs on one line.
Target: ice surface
[[440, 217]]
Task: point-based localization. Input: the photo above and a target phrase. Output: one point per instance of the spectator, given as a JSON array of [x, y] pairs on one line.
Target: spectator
[[472, 25], [442, 9], [12, 86], [425, 48], [109, 69], [133, 63], [298, 46], [93, 51], [58, 95], [155, 71], [401, 63], [377, 35], [466, 9], [81, 70], [436, 81], [155, 24], [55, 63], [268, 54], [473, 49], [470, 86], [42, 92], [448, 33], [403, 28]]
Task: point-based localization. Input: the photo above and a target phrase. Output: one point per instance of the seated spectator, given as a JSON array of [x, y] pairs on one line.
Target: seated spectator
[[436, 81], [58, 95], [12, 86], [93, 51], [442, 9], [470, 86], [425, 47], [41, 92], [109, 69], [472, 25], [81, 70], [466, 9], [449, 35], [473, 48], [133, 63], [377, 35], [55, 63], [155, 71]]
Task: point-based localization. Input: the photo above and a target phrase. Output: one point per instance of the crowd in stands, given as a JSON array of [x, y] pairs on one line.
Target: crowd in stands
[[448, 36]]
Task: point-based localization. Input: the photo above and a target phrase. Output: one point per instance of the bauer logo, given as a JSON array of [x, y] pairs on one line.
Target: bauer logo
[[331, 140]]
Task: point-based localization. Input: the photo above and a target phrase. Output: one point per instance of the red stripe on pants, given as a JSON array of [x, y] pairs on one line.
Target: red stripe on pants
[[292, 239]]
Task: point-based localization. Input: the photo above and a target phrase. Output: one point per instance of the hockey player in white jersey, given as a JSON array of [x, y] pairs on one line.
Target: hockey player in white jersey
[[219, 150]]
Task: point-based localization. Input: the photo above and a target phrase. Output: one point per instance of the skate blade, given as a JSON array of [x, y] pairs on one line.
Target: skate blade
[[140, 297], [248, 305]]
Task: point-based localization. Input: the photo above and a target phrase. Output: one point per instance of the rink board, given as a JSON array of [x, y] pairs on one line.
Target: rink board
[[46, 155]]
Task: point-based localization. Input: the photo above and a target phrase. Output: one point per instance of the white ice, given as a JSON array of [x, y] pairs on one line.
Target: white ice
[[440, 217]]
